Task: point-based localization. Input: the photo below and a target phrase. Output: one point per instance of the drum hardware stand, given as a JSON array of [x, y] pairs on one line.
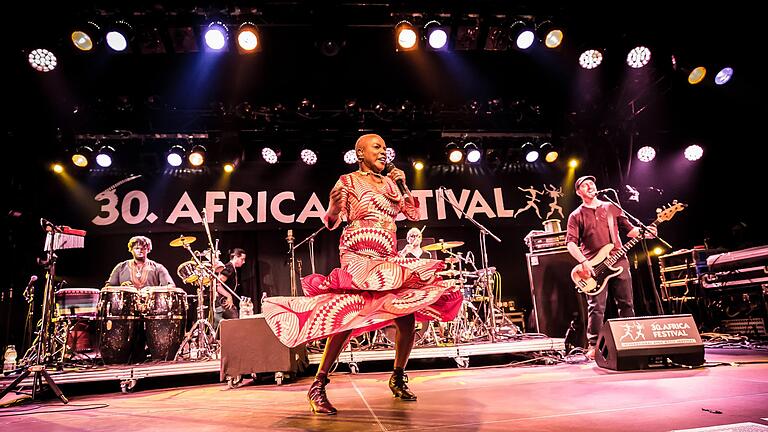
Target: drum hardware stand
[[37, 367], [202, 335], [291, 261], [484, 261]]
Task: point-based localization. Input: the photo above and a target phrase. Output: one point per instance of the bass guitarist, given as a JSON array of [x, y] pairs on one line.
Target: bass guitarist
[[593, 225]]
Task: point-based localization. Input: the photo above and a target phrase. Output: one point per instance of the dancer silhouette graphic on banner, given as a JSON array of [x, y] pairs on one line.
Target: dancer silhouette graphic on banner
[[531, 201]]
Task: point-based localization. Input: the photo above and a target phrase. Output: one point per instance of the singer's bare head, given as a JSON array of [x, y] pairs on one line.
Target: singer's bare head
[[371, 151]]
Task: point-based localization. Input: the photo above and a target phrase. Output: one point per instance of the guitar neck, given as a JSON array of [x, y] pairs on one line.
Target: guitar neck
[[626, 247]]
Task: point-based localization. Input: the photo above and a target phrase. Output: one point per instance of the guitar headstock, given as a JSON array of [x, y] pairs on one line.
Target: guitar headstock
[[666, 213]]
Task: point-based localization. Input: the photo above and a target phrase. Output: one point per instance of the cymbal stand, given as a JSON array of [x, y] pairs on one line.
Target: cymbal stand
[[484, 260]]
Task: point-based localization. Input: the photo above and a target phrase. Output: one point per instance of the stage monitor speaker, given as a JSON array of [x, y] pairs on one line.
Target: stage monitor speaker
[[648, 342], [248, 346], [556, 303]]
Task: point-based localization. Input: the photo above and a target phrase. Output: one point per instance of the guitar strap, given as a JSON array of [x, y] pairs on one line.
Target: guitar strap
[[611, 223]]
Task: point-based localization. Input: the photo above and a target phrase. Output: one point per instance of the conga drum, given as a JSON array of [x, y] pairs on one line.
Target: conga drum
[[119, 320], [164, 312]]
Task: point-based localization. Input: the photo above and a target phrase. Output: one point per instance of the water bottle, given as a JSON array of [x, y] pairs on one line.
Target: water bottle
[[246, 307], [9, 360]]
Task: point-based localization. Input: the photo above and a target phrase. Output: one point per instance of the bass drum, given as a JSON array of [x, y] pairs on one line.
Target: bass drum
[[119, 321]]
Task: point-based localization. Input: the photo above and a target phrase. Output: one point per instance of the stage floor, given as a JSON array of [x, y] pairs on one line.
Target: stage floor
[[542, 398]]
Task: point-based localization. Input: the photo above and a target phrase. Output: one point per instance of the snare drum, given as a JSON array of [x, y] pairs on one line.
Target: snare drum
[[77, 302], [189, 272]]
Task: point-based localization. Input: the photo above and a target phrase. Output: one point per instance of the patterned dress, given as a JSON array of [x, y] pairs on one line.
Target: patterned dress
[[374, 285]]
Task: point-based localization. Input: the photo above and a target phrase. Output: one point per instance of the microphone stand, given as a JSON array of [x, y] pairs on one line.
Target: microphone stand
[[643, 231], [311, 240], [292, 261], [484, 260]]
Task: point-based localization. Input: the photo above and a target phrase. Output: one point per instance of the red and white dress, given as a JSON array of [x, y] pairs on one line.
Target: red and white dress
[[374, 285]]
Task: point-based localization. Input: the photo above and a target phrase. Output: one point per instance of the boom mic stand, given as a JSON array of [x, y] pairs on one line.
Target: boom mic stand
[[311, 240], [484, 260], [643, 231]]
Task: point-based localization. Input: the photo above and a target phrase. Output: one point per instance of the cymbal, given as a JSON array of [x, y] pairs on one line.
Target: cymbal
[[182, 240], [448, 273], [442, 246]]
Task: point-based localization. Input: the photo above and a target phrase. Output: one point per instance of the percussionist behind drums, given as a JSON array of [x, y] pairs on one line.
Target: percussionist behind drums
[[139, 271]]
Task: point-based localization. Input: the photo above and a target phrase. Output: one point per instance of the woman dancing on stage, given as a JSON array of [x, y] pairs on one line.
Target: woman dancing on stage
[[374, 287]]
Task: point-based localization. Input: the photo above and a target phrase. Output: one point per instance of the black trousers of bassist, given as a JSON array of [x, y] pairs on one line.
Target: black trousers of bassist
[[621, 288]]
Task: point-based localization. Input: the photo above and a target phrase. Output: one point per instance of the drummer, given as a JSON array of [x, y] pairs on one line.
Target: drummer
[[140, 271], [413, 249]]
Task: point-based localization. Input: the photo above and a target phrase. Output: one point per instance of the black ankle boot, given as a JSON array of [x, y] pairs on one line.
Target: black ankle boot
[[318, 401], [397, 383]]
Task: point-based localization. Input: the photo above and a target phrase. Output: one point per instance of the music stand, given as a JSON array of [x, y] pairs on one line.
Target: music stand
[[38, 367]]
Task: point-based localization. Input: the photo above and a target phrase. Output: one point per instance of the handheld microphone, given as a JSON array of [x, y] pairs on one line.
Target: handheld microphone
[[400, 183], [32, 280]]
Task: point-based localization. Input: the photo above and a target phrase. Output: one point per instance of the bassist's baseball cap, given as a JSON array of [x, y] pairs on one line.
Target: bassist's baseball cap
[[582, 179]]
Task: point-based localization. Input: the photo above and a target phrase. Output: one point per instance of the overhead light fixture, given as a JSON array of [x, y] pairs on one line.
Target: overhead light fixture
[[350, 157], [590, 59], [406, 37], [473, 153], [248, 38], [81, 156], [694, 152], [437, 35], [215, 36], [104, 156], [522, 34], [197, 155], [646, 154], [86, 36], [549, 152], [697, 75], [418, 165], [119, 35], [270, 155], [308, 156], [724, 75], [638, 57], [530, 152], [466, 37], [551, 35], [175, 156], [455, 155], [42, 60]]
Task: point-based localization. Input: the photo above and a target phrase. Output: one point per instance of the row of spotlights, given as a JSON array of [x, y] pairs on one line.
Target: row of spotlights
[[693, 152], [436, 35]]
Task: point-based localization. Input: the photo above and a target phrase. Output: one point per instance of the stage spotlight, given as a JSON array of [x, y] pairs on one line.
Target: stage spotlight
[[57, 168], [530, 152], [248, 38], [723, 76], [522, 34], [270, 155], [658, 251], [638, 57], [105, 155], [306, 108], [390, 154], [455, 154], [350, 157], [229, 167], [119, 35], [549, 152], [550, 34], [590, 59], [405, 36], [86, 36], [573, 163], [42, 60], [308, 156], [437, 35], [697, 75], [418, 165], [646, 154], [215, 36], [81, 155], [175, 156], [473, 153], [694, 152], [197, 155]]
